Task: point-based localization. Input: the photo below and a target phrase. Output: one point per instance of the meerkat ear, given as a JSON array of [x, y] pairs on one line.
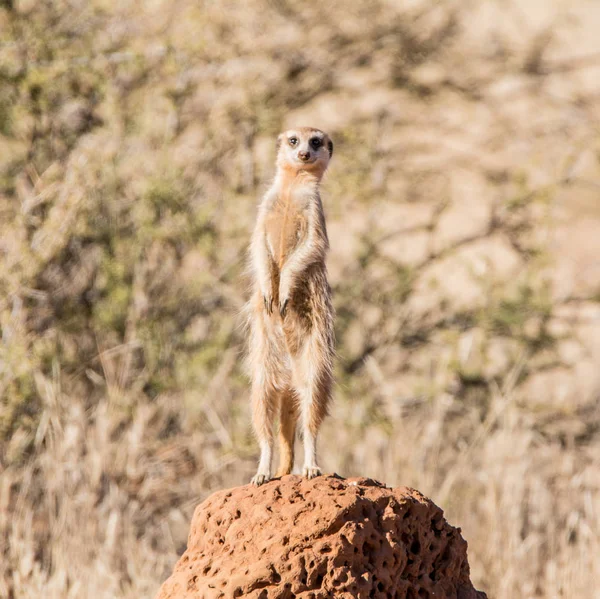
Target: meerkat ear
[[279, 140], [330, 148]]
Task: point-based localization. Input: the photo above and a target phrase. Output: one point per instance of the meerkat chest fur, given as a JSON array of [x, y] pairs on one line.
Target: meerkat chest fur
[[287, 218]]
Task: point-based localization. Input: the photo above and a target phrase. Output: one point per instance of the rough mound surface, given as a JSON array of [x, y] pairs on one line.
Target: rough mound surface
[[327, 537]]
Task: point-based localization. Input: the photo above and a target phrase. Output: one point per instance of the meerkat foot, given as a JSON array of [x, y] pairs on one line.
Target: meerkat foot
[[311, 471], [260, 479]]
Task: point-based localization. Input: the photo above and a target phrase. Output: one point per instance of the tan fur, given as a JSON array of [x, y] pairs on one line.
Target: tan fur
[[290, 313]]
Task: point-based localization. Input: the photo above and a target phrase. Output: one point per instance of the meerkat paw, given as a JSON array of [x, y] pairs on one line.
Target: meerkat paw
[[260, 479], [311, 471]]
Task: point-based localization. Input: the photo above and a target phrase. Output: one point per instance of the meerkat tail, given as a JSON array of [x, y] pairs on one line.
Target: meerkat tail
[[288, 417]]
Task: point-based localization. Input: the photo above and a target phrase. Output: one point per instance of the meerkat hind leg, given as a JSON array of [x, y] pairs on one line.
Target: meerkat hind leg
[[287, 432], [313, 392], [263, 416]]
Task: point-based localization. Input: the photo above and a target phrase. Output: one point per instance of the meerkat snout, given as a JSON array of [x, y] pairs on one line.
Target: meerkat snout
[[304, 156]]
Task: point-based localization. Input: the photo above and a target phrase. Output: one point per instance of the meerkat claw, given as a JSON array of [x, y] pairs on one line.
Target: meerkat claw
[[268, 304], [259, 479], [311, 471], [283, 308]]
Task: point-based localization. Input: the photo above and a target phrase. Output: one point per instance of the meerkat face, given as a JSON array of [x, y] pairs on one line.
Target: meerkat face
[[304, 149]]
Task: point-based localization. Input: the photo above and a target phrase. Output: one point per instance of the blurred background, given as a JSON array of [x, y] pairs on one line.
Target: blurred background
[[463, 207]]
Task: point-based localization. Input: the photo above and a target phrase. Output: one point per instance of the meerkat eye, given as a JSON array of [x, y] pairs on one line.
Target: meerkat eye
[[293, 141], [316, 143]]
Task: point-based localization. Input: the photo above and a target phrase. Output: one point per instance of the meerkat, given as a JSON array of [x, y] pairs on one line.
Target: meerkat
[[291, 345]]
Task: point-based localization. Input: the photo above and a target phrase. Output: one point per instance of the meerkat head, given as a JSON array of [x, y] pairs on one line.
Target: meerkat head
[[304, 149]]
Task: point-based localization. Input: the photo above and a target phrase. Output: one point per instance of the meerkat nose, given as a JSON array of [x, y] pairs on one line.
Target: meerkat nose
[[304, 155]]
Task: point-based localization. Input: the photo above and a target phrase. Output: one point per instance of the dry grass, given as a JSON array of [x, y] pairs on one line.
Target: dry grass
[[463, 211]]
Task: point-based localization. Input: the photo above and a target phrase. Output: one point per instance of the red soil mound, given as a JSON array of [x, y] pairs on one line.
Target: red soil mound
[[327, 537]]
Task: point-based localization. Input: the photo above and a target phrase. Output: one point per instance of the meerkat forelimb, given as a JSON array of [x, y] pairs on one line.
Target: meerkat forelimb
[[291, 315]]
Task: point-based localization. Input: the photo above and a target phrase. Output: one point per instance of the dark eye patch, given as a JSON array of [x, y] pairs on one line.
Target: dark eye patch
[[316, 143]]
